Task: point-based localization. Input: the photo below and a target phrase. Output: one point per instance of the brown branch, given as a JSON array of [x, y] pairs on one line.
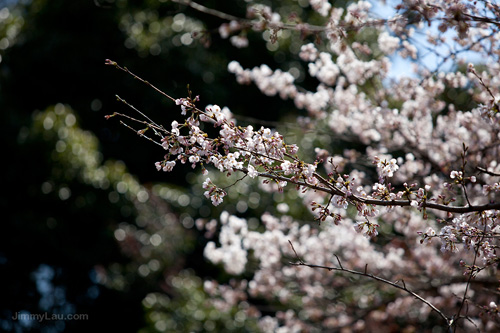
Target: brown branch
[[491, 173], [300, 262], [288, 26], [311, 28], [376, 202], [208, 11], [482, 19]]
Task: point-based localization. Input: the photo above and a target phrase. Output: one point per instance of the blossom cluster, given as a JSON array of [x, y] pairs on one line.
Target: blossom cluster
[[274, 279], [235, 149]]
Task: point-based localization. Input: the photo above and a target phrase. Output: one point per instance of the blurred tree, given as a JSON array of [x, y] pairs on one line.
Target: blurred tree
[[60, 215], [58, 251]]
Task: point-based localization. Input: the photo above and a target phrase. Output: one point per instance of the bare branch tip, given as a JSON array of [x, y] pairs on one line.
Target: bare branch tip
[[110, 62]]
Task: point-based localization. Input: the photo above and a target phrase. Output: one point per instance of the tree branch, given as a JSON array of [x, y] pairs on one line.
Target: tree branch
[[449, 322], [324, 185]]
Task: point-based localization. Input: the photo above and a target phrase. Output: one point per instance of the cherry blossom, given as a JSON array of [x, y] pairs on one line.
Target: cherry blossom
[[416, 201]]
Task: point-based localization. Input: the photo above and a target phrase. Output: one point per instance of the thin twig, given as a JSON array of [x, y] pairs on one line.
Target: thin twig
[[236, 181], [126, 70], [464, 163], [139, 133], [150, 123], [296, 255], [471, 276]]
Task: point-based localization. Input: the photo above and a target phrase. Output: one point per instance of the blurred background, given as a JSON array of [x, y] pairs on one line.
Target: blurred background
[[88, 225]]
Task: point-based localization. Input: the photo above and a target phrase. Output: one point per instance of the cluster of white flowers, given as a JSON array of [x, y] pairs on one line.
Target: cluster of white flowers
[[386, 168], [324, 69], [231, 252], [358, 12], [387, 43], [321, 6], [269, 82], [308, 52], [239, 41], [226, 29], [213, 192]]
